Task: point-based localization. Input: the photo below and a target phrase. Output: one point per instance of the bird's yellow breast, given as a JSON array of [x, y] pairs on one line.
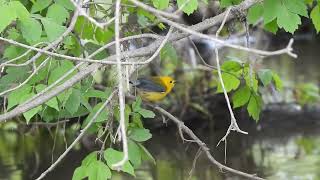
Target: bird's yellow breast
[[152, 96]]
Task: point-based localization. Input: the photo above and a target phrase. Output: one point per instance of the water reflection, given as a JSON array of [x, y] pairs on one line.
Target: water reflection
[[275, 153]]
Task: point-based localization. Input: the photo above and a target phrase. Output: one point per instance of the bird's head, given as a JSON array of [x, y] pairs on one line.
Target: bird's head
[[169, 82]]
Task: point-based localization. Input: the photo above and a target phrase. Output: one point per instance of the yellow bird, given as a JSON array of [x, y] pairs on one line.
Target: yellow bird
[[155, 88]]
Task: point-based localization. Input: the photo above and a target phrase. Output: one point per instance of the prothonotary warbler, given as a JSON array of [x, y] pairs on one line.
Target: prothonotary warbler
[[154, 88]]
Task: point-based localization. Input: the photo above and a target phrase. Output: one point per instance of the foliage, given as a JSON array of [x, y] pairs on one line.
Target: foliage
[[307, 93], [244, 83], [40, 22], [284, 14]]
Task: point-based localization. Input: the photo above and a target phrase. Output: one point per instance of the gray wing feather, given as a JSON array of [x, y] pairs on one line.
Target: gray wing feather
[[148, 85]]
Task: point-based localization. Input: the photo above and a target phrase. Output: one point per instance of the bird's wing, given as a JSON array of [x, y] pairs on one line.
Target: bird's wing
[[148, 85]]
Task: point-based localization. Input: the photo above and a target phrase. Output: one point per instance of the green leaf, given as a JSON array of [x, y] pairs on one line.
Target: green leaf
[[84, 28], [134, 153], [89, 159], [226, 3], [277, 81], [168, 52], [136, 120], [265, 75], [96, 93], [315, 16], [7, 16], [80, 173], [146, 155], [53, 102], [14, 97], [231, 82], [29, 114], [52, 29], [57, 13], [161, 4], [136, 105], [251, 80], [21, 11], [271, 26], [64, 67], [146, 113], [92, 47], [255, 13], [112, 157], [31, 29], [188, 6], [241, 96], [271, 9], [40, 5], [231, 66], [103, 35], [140, 135], [287, 20], [103, 116], [127, 112], [66, 4], [97, 170], [254, 107], [296, 7], [73, 103], [49, 114]]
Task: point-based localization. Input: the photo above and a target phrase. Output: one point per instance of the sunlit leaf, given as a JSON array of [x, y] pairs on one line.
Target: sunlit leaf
[[40, 5], [254, 106], [140, 135], [146, 113], [31, 29], [161, 4], [230, 82], [315, 16], [241, 96], [52, 29], [188, 6], [112, 157], [134, 153], [73, 102], [57, 13]]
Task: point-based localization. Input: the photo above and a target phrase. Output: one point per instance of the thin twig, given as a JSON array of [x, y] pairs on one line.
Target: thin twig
[[89, 60], [204, 147], [287, 50], [153, 10], [233, 122], [83, 13]]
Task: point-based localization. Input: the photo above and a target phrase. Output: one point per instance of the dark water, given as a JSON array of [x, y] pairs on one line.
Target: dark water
[[282, 146]]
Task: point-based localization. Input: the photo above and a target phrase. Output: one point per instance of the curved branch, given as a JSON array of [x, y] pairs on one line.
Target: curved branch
[[204, 147]]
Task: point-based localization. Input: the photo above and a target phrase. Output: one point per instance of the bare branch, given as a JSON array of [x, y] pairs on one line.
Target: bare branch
[[153, 10], [89, 60], [204, 147], [233, 124], [122, 122], [287, 50]]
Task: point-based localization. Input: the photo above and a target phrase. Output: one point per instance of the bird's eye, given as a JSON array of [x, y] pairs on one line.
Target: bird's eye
[[170, 81]]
